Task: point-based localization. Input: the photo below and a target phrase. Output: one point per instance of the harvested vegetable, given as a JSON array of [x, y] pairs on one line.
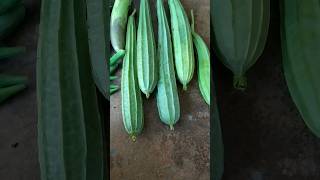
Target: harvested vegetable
[[131, 101], [69, 124], [167, 94], [203, 63], [240, 29], [97, 32], [118, 23], [146, 51], [182, 43], [300, 46]]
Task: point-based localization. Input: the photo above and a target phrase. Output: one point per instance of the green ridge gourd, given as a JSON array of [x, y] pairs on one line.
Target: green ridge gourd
[[240, 29], [118, 22], [131, 101], [167, 94], [203, 63], [146, 51], [300, 33], [182, 43]]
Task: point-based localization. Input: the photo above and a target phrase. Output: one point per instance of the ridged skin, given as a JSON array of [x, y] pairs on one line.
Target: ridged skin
[[146, 51], [241, 29], [301, 55], [132, 111], [118, 22], [182, 43], [167, 94]]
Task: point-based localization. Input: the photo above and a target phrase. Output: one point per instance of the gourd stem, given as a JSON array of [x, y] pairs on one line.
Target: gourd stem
[[240, 82], [171, 127]]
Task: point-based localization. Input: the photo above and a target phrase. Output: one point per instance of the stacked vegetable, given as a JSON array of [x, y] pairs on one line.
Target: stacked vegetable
[[12, 13], [147, 67]]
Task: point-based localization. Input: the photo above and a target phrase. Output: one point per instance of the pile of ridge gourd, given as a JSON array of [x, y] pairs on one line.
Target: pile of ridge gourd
[[147, 66], [12, 13]]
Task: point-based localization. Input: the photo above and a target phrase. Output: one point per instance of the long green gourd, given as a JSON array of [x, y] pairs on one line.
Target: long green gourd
[[182, 43], [167, 94], [118, 23], [69, 133], [300, 46], [146, 51], [240, 29], [10, 20], [203, 63], [131, 101], [98, 44], [6, 5]]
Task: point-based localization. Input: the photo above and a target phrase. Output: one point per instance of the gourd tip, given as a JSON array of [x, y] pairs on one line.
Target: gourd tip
[[185, 87], [240, 83], [133, 138], [171, 127], [147, 95]]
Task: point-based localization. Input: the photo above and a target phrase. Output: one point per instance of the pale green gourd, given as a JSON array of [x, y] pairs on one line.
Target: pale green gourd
[[131, 101], [182, 43], [146, 51], [167, 94]]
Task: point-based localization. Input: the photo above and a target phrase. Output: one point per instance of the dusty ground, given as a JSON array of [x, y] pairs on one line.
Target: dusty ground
[[159, 153], [264, 136]]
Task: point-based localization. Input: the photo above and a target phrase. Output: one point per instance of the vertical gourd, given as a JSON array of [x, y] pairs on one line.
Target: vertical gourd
[[118, 22], [182, 43], [240, 29], [203, 63], [131, 101], [146, 51], [69, 122], [167, 94], [300, 35]]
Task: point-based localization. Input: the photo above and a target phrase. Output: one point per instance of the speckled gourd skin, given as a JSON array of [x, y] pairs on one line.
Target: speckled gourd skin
[[146, 51], [182, 43], [300, 46], [167, 94], [240, 29], [131, 102]]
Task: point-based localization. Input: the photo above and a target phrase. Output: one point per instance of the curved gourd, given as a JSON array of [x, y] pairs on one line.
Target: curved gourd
[[118, 22], [240, 29], [203, 63], [131, 101], [301, 55], [146, 51], [182, 43], [167, 94]]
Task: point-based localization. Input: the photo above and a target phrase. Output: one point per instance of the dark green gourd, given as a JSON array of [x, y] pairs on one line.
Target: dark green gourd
[[300, 45], [240, 32]]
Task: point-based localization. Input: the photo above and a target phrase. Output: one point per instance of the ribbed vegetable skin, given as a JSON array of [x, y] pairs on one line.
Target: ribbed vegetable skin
[[69, 133], [240, 29], [131, 101], [167, 94], [146, 51], [300, 45], [182, 43]]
